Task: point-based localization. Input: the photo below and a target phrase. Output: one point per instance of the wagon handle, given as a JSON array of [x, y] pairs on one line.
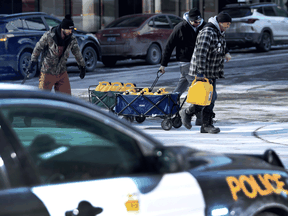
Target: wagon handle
[[156, 80]]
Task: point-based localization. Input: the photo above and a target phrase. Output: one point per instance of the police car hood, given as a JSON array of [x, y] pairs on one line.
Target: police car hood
[[232, 180]]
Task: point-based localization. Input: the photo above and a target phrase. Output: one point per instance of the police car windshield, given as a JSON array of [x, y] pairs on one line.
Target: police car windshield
[[127, 22]]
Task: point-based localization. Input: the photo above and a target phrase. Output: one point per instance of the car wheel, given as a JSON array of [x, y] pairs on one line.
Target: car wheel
[[90, 58], [153, 54], [23, 64], [265, 43], [109, 61]]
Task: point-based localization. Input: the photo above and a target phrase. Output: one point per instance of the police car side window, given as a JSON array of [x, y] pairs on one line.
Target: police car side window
[[70, 147]]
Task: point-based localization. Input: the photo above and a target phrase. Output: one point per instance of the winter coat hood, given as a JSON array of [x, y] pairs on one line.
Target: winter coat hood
[[214, 21], [186, 18]]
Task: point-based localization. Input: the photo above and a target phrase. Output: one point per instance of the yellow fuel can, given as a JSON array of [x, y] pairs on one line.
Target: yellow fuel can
[[200, 93]]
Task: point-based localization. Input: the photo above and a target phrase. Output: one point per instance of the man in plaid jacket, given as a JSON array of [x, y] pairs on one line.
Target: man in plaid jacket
[[208, 62]]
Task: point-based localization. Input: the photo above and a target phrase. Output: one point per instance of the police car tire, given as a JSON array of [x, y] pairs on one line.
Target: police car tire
[[267, 214]]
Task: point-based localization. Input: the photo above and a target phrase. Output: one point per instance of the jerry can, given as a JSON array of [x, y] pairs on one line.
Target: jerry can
[[101, 85], [200, 93], [127, 86], [161, 91], [116, 86], [145, 91], [106, 87]]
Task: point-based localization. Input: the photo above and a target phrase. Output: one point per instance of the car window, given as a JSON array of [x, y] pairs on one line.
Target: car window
[[67, 146], [174, 20], [238, 12], [14, 26], [35, 23], [52, 22], [280, 12], [127, 22], [269, 11], [161, 22], [260, 10]]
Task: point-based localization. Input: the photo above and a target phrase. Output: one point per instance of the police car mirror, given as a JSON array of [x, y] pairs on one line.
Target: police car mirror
[[171, 159]]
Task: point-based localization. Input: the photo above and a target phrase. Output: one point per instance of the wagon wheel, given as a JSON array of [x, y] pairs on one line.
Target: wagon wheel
[[131, 118], [140, 119], [176, 122], [166, 124]]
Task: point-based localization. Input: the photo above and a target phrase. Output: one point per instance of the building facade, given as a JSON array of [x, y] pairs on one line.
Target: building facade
[[92, 15]]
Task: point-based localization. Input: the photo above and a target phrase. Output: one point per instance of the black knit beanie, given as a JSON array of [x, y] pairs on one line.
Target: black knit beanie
[[67, 22], [194, 14], [224, 17]]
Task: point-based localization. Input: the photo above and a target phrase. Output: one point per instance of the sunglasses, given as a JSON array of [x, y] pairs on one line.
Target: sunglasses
[[196, 21]]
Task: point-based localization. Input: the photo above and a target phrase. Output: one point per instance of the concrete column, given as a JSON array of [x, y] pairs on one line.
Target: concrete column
[[88, 20], [147, 6], [158, 6]]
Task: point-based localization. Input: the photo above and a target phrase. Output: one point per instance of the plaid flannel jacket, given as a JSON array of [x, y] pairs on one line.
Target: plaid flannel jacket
[[209, 53]]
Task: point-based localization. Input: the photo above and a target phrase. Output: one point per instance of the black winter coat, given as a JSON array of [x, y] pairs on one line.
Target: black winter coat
[[183, 38]]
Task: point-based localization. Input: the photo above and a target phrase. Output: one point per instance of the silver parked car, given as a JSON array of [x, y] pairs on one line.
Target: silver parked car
[[259, 24]]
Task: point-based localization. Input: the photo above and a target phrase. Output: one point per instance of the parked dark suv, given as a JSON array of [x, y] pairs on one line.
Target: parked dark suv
[[259, 24], [19, 34]]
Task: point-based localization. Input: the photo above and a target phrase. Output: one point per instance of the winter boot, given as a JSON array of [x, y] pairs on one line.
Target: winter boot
[[198, 120], [186, 116], [207, 124]]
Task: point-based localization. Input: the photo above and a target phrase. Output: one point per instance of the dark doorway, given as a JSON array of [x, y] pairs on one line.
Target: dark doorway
[[10, 7], [127, 7]]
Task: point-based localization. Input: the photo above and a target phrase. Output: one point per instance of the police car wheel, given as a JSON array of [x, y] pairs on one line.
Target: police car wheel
[[166, 124], [140, 119], [176, 122]]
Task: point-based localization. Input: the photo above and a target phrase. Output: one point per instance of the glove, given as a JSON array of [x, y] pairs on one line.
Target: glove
[[82, 72], [31, 66], [227, 57], [200, 77], [162, 69]]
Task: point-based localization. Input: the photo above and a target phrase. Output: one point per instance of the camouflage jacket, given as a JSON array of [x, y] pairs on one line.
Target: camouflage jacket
[[50, 61]]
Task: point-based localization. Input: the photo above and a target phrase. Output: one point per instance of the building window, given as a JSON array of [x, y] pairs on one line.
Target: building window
[[30, 5]]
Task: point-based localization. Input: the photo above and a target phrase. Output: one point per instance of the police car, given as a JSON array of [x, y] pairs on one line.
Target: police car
[[63, 156]]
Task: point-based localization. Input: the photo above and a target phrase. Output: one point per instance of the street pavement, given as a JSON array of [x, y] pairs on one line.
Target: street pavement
[[249, 124]]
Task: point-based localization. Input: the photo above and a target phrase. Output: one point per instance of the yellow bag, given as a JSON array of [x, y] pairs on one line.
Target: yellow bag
[[101, 85], [200, 93]]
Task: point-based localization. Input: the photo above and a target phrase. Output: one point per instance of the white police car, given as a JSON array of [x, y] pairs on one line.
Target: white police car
[[62, 156]]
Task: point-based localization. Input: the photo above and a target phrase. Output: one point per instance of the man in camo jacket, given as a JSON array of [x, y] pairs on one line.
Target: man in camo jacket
[[55, 46], [208, 62]]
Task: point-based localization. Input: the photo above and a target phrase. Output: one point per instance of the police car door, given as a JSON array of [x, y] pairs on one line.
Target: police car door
[[89, 164]]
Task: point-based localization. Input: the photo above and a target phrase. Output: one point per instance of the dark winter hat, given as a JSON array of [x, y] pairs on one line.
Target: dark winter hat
[[224, 17], [194, 14], [67, 22]]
